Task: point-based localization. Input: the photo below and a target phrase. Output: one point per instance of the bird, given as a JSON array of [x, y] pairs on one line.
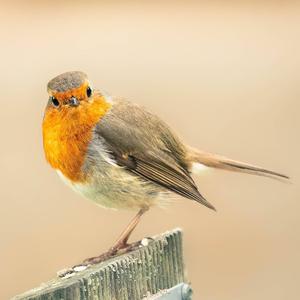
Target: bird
[[119, 155]]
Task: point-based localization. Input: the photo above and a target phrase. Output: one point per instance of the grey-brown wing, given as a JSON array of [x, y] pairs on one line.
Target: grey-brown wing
[[145, 146]]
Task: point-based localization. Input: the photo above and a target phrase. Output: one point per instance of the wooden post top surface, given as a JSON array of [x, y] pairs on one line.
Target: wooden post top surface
[[135, 275]]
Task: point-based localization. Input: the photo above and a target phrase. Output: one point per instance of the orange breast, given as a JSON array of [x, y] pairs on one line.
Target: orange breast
[[67, 132]]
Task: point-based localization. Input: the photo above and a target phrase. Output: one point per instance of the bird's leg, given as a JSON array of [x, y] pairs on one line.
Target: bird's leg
[[120, 245], [121, 242]]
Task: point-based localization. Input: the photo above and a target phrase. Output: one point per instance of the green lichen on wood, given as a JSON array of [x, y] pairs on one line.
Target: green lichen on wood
[[132, 276]]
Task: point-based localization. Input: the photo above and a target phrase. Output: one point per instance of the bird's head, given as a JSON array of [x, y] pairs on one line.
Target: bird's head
[[68, 91], [73, 102]]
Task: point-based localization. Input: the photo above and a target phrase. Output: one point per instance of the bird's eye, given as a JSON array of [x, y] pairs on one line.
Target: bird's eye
[[55, 102], [88, 91]]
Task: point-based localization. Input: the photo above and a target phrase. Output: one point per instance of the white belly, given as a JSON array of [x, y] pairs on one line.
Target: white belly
[[113, 187]]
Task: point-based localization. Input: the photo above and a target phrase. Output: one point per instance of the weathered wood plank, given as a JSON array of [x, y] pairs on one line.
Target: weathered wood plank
[[132, 276]]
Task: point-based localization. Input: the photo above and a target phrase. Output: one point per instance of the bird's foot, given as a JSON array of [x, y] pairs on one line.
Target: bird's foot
[[118, 249], [102, 257]]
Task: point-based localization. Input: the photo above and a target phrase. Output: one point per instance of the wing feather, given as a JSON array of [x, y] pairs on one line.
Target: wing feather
[[146, 147]]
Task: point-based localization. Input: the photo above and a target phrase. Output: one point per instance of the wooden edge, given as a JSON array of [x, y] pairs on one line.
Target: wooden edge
[[137, 274]]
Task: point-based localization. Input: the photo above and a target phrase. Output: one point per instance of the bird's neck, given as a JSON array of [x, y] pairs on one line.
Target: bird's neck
[[67, 134]]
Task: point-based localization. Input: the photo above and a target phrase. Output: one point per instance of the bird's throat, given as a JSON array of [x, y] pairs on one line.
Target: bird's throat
[[67, 133]]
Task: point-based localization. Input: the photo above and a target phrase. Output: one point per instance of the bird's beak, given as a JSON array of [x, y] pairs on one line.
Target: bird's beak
[[73, 101]]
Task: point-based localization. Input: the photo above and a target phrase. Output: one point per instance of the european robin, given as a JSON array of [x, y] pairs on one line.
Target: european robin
[[118, 154]]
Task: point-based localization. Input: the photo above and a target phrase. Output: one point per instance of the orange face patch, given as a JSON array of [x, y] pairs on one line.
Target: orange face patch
[[67, 132]]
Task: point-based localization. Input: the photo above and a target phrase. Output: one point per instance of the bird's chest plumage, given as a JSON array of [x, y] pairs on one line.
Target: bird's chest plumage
[[67, 134], [110, 185]]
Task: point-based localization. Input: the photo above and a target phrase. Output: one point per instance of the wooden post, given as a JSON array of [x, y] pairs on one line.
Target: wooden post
[[153, 271]]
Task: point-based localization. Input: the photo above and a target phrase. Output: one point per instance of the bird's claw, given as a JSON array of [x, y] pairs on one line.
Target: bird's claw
[[114, 251]]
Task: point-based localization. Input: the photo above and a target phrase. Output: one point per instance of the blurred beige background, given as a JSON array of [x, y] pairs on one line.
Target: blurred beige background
[[224, 75]]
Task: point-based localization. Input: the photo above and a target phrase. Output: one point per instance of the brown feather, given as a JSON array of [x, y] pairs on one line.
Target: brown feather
[[220, 162], [165, 175], [146, 147]]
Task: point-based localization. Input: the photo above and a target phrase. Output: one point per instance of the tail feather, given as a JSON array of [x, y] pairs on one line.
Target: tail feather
[[220, 162]]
